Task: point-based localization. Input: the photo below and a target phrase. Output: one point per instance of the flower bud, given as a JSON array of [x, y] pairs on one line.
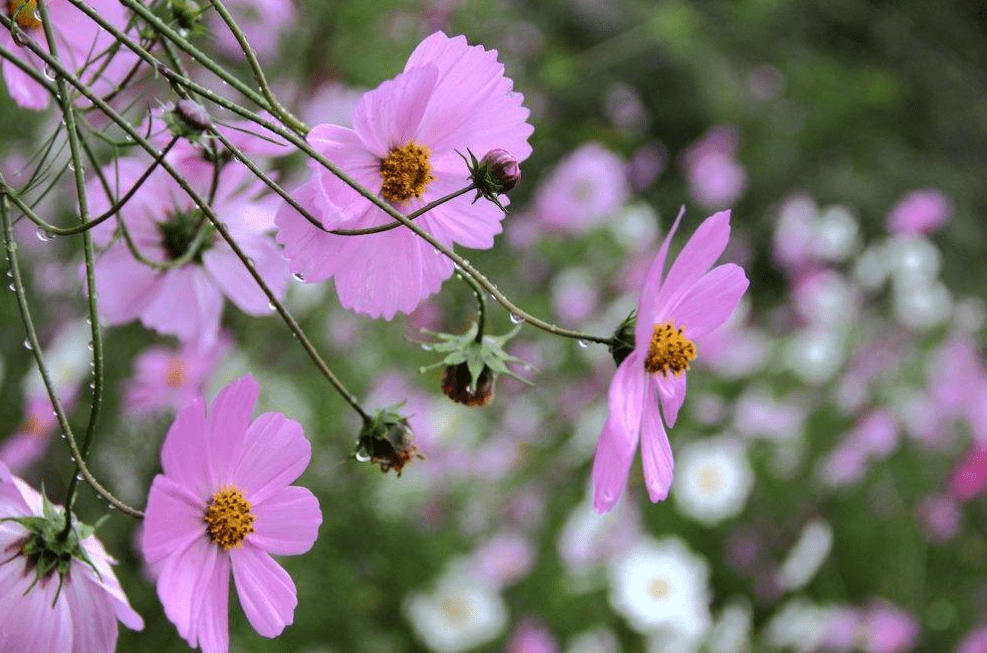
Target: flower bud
[[458, 385], [386, 440], [503, 168], [188, 119]]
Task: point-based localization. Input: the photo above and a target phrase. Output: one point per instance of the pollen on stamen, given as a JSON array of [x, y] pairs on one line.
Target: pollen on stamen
[[407, 172], [175, 373], [228, 518], [26, 12], [670, 351]]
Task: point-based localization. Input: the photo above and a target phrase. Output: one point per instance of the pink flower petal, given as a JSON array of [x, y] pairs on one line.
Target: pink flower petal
[[124, 286], [22, 88], [185, 581], [671, 391], [648, 303], [287, 522], [212, 622], [182, 454], [229, 430], [389, 115], [274, 453], [266, 591], [94, 623], [188, 305], [236, 282], [710, 301], [696, 258], [618, 441], [656, 454], [173, 519]]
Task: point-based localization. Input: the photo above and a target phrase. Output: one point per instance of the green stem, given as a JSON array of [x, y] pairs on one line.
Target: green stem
[[411, 216], [32, 338], [481, 304]]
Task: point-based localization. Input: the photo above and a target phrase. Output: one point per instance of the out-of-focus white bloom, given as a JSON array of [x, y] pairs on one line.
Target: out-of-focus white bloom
[[712, 480], [67, 358], [732, 631], [969, 316], [798, 626], [588, 539], [810, 551], [815, 355], [828, 300], [835, 234], [598, 640], [661, 586], [460, 613], [871, 268], [922, 305], [637, 227], [672, 641], [574, 294], [913, 260], [757, 414]]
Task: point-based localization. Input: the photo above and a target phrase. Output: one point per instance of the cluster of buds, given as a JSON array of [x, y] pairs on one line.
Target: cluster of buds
[[495, 174], [472, 363], [386, 440]]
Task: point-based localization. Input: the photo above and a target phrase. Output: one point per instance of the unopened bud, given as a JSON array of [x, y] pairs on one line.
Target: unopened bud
[[503, 168], [386, 440], [193, 114], [458, 385]]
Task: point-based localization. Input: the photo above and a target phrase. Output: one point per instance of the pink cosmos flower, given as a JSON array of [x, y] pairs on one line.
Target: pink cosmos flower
[[169, 378], [224, 503], [83, 47], [674, 313], [184, 301], [716, 178], [586, 188], [451, 97], [888, 629], [38, 616]]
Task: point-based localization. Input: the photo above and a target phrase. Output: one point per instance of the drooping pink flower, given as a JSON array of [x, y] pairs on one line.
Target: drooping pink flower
[[170, 377], [35, 613], [674, 313], [83, 47], [585, 189], [185, 301], [403, 146], [920, 211], [224, 504]]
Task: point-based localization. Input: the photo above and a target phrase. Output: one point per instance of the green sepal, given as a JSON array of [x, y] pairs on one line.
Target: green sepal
[[488, 353]]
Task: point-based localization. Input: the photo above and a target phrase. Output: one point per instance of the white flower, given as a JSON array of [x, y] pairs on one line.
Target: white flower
[[598, 640], [732, 631], [798, 626], [815, 354], [712, 480], [835, 234], [461, 613], [68, 359], [661, 585], [808, 554]]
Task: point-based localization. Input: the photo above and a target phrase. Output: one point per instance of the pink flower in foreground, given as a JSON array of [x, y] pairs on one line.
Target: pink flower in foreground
[[224, 503], [40, 614], [187, 300], [83, 47], [451, 97], [674, 313]]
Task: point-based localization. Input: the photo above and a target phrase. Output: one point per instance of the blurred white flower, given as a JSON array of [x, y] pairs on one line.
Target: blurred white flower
[[588, 539], [597, 640], [836, 233], [922, 305], [732, 631], [807, 556], [661, 585], [798, 626], [68, 359], [460, 613], [815, 355], [712, 480], [636, 228], [913, 259]]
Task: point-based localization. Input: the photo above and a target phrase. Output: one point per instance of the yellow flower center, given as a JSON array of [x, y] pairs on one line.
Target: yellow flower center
[[228, 518], [710, 479], [406, 172], [34, 427], [25, 12], [669, 351], [658, 588], [456, 608], [175, 374]]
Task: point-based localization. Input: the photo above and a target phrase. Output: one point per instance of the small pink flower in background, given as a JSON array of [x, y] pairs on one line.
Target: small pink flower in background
[[530, 637], [969, 477], [184, 301], [30, 441], [451, 97], [874, 438], [675, 312], [974, 642], [38, 616], [224, 504], [940, 517], [843, 629], [262, 22], [716, 179], [888, 629], [79, 39], [920, 211], [167, 378], [504, 559], [646, 165], [585, 190]]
